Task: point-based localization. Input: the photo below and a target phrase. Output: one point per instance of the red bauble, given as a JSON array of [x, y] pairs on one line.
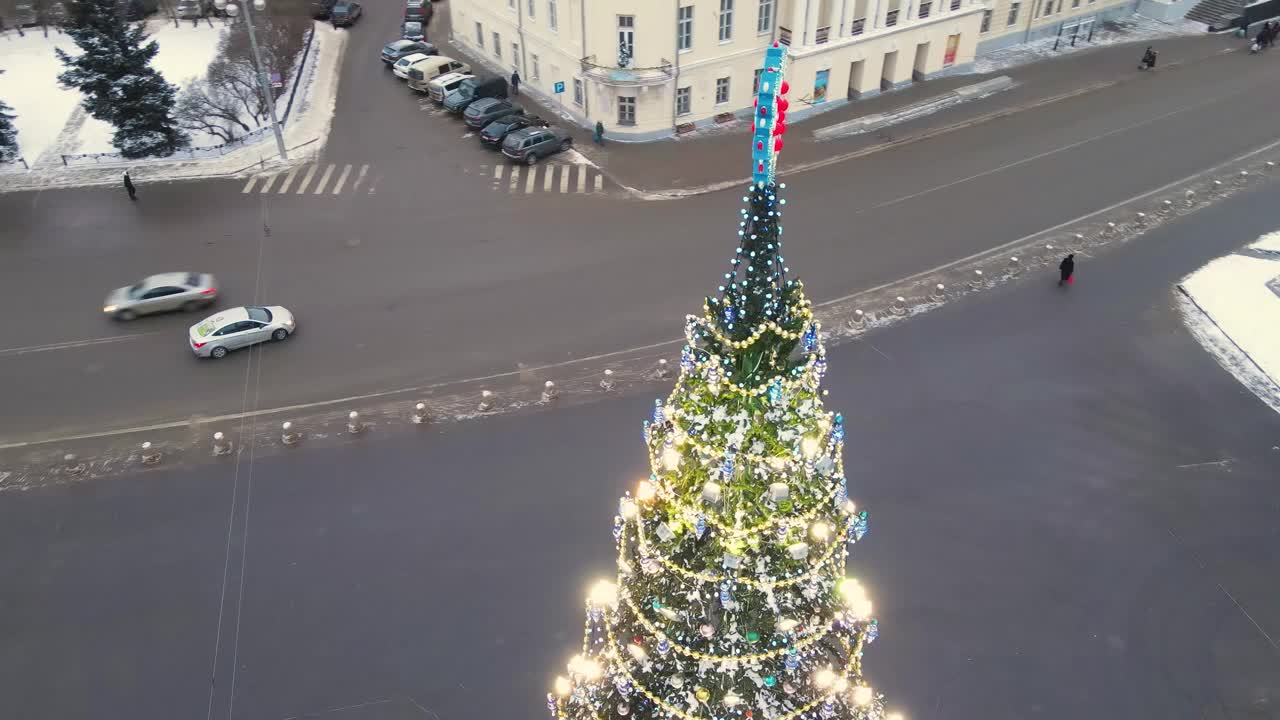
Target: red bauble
[[777, 144], [764, 111], [637, 640], [785, 87], [757, 102], [782, 116], [760, 145], [775, 44], [760, 167], [780, 128], [783, 104]]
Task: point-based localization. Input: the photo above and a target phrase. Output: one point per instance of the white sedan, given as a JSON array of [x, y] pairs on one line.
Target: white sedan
[[401, 68], [217, 335]]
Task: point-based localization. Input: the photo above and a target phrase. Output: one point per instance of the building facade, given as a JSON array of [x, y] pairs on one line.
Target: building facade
[[648, 68], [1011, 22]]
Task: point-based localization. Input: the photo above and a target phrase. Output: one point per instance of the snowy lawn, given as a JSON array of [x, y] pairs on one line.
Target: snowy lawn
[[48, 121]]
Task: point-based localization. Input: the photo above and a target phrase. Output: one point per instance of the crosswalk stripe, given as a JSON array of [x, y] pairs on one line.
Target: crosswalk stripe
[[564, 178], [364, 170], [342, 179], [497, 171], [515, 179], [529, 179], [324, 179], [582, 179], [288, 180], [271, 180], [248, 187], [599, 182], [306, 179], [548, 174]]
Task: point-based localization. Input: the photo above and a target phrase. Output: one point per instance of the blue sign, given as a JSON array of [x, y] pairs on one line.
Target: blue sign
[[559, 87]]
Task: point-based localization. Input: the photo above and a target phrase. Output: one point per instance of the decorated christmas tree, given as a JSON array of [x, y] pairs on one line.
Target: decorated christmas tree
[[732, 599]]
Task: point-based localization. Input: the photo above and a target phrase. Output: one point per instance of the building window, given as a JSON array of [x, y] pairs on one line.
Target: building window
[[515, 55], [684, 27], [955, 4], [764, 18], [726, 20], [858, 26], [1014, 7], [684, 100], [891, 18], [986, 22], [1075, 3], [497, 46], [626, 110], [551, 14], [532, 8], [722, 90], [534, 71], [925, 8], [577, 92], [1047, 9], [511, 4], [626, 40], [755, 81], [480, 35]]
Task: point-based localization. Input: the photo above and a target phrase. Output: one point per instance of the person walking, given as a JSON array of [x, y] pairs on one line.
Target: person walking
[[128, 186], [598, 137], [1148, 59], [1066, 269], [515, 82]]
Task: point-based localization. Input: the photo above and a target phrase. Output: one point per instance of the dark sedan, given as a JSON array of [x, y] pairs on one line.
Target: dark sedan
[[345, 14], [494, 132], [486, 110]]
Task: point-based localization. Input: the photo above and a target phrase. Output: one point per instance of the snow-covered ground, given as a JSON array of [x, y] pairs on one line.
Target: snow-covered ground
[[50, 121], [1125, 30], [1233, 309]]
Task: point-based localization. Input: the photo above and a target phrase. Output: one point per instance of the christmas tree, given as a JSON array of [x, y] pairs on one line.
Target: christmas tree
[[731, 599], [8, 133], [114, 73]]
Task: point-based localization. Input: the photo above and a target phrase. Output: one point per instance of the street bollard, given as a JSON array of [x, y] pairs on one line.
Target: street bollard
[[978, 281], [1109, 230], [549, 392], [1242, 178], [149, 455], [1050, 249], [1269, 165], [1216, 186], [354, 425], [606, 383], [1140, 219], [72, 464], [221, 445], [1190, 197], [899, 306], [939, 292], [287, 434], [420, 414], [857, 322], [486, 401], [662, 371], [1166, 207], [1012, 267], [1079, 241]]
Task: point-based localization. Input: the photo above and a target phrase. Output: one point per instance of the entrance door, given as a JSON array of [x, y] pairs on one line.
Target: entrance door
[[919, 71], [856, 69], [890, 69]]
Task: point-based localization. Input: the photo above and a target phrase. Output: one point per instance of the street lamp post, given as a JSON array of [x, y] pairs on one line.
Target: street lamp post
[[264, 82]]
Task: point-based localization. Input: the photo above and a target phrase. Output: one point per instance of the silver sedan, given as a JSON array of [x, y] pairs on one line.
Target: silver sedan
[[185, 291], [219, 334]]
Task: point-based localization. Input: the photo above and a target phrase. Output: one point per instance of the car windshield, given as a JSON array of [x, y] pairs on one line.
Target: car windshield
[[135, 291], [341, 9], [260, 314], [397, 45]]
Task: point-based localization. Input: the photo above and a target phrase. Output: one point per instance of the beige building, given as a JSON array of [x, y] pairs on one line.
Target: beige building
[[646, 68]]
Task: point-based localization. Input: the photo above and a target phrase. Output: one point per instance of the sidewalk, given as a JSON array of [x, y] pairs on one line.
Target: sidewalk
[[704, 161]]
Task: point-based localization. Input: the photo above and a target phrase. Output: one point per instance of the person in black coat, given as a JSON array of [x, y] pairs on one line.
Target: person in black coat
[[128, 186], [1066, 268], [515, 83]]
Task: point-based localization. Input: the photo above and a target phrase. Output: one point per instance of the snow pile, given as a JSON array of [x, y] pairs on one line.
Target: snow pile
[[50, 122], [1234, 311]]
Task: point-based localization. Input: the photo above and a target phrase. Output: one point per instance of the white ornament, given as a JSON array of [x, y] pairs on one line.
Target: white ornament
[[778, 492], [665, 533], [798, 551], [711, 492], [731, 561]]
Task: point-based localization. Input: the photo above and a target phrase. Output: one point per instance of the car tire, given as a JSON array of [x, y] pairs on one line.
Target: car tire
[[218, 353], [566, 145], [279, 334], [531, 158], [126, 315]]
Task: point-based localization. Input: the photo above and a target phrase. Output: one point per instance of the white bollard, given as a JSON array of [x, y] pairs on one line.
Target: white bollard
[[420, 414], [1243, 177], [939, 292], [221, 445], [899, 306], [72, 464], [1013, 266], [979, 280], [1190, 197], [354, 425], [1141, 219], [149, 455], [1079, 240], [857, 322], [662, 371], [1050, 249], [606, 383], [287, 434], [1166, 207], [486, 401], [1109, 230], [1217, 186], [549, 392], [1268, 166]]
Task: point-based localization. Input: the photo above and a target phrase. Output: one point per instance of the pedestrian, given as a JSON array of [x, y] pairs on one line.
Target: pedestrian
[[1065, 270], [515, 82], [1148, 59], [128, 186], [598, 137]]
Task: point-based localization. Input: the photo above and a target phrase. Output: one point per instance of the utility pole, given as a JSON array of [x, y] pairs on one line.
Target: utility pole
[[264, 82]]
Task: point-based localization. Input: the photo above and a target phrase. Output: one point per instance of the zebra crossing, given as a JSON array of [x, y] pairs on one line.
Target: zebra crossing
[[548, 178], [314, 179]]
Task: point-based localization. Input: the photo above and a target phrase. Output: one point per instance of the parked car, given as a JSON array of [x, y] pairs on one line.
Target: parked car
[[185, 291], [486, 110], [189, 9], [534, 143], [401, 68], [440, 87], [396, 49], [474, 89], [423, 72], [219, 334], [345, 14], [412, 31], [495, 132], [418, 11], [24, 14], [320, 9]]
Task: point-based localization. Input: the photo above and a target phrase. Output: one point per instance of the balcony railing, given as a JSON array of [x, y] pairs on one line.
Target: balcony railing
[[823, 34], [628, 76], [925, 8], [891, 18], [858, 26]]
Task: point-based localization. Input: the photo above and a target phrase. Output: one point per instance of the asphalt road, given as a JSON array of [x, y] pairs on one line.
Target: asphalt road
[[1072, 515], [435, 277]]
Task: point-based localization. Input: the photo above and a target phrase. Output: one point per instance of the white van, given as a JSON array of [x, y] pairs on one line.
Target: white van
[[424, 71], [445, 84]]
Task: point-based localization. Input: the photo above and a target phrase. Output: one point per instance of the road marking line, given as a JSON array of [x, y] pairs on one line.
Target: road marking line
[[497, 171], [306, 180], [288, 180], [564, 178], [342, 179], [530, 179], [271, 180], [515, 179], [72, 344], [324, 179], [599, 183], [582, 179], [548, 174], [248, 187], [364, 170]]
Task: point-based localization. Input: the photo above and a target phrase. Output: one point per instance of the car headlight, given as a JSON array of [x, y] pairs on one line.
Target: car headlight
[[110, 309]]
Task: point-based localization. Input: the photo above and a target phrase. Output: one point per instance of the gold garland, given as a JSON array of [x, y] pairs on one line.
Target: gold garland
[[707, 324]]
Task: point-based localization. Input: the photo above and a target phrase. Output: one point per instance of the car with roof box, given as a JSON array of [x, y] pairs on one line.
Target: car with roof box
[[393, 51]]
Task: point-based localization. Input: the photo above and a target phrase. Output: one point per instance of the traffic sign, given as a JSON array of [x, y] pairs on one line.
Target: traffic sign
[[276, 80], [559, 87]]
